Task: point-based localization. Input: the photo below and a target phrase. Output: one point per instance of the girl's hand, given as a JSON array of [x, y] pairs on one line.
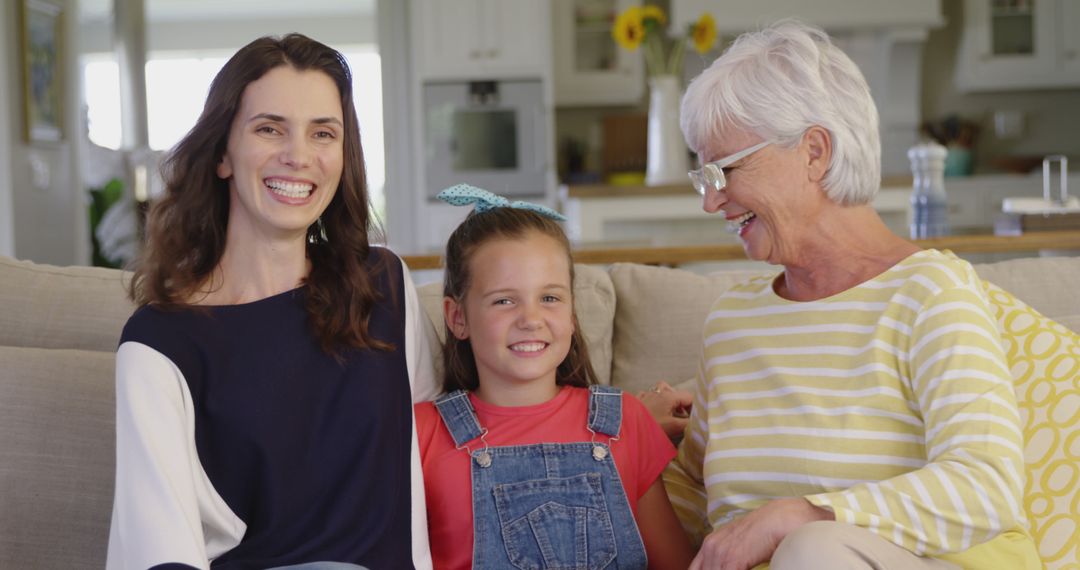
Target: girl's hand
[[669, 407], [752, 539]]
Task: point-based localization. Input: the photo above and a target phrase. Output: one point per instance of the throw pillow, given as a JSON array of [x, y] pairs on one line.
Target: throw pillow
[[1045, 361]]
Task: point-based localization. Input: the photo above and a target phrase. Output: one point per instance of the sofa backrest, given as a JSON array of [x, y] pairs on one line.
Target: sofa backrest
[[45, 306], [659, 315], [1050, 285]]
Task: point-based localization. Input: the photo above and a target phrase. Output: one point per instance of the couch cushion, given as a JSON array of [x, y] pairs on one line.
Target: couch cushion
[[1045, 362], [594, 301], [57, 457], [61, 307], [1047, 284], [659, 316]]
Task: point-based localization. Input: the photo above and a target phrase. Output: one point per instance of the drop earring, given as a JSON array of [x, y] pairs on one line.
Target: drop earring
[[319, 235]]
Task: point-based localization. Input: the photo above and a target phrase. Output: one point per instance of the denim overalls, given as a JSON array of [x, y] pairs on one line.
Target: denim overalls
[[548, 505]]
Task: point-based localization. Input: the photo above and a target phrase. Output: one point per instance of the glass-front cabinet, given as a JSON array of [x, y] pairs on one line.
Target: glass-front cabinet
[[1012, 28], [589, 67], [1019, 44]]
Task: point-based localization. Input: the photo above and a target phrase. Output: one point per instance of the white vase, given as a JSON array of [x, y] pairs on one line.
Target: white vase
[[668, 161]]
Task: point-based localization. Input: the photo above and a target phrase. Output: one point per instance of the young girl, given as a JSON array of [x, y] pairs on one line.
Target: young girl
[[527, 463]]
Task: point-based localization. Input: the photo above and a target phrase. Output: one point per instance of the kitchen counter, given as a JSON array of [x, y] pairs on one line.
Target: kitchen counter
[[672, 215], [680, 255], [587, 191]]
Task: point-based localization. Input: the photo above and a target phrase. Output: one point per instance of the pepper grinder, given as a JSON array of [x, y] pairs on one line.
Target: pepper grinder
[[929, 209]]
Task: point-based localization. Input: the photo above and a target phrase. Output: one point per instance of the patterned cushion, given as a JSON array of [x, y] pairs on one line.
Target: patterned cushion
[[1045, 361]]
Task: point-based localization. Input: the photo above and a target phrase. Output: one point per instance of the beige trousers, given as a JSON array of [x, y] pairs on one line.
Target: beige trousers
[[839, 546]]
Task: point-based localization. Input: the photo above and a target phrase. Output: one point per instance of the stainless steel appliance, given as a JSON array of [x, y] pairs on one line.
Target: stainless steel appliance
[[492, 134]]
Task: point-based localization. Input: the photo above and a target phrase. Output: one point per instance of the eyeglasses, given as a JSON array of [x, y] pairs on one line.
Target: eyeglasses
[[711, 175]]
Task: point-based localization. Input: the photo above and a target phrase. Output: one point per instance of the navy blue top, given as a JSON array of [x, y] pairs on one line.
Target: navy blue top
[[312, 453]]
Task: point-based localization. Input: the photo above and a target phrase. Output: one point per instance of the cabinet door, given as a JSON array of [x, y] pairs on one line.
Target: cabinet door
[[589, 67], [448, 43], [968, 208], [477, 39], [1014, 44], [1069, 33], [515, 36]]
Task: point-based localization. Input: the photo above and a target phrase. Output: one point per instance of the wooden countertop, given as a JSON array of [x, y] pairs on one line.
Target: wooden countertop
[[587, 191], [678, 255]]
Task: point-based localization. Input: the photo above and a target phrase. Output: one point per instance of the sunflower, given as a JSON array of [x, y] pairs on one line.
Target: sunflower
[[664, 54], [655, 13], [703, 33], [629, 29]]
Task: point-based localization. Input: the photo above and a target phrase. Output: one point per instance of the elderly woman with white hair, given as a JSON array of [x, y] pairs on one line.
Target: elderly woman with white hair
[[855, 410]]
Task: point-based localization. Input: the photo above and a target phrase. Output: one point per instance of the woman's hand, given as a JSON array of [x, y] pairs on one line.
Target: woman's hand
[[669, 407], [748, 541]]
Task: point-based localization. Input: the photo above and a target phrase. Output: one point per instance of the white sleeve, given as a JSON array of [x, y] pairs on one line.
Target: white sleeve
[[424, 387], [419, 339], [164, 509]]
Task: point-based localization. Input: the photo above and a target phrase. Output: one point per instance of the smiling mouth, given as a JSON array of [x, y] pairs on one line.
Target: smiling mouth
[[528, 346], [736, 225], [295, 190]]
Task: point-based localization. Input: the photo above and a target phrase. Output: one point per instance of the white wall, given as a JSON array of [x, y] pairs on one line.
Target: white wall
[[44, 217], [7, 87], [401, 171], [230, 35]]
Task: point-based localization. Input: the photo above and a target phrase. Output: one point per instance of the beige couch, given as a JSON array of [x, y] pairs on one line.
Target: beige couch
[[59, 327]]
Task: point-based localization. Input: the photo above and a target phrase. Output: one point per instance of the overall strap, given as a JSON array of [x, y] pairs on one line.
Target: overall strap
[[605, 410], [459, 416]]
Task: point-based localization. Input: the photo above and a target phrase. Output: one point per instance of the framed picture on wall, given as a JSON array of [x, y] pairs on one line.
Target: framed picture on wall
[[43, 81]]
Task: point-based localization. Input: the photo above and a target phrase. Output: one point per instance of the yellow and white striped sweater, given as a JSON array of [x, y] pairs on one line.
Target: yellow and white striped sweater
[[890, 404]]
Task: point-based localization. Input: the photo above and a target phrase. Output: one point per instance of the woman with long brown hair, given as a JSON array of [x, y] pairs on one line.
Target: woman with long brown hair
[[265, 384]]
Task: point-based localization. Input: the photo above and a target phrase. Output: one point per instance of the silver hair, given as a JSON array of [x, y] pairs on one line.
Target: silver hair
[[780, 81]]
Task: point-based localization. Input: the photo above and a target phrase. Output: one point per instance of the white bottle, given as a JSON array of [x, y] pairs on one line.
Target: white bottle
[[929, 210]]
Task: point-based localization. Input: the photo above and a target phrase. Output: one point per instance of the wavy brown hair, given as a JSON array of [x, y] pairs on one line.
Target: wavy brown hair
[[459, 364], [186, 228]]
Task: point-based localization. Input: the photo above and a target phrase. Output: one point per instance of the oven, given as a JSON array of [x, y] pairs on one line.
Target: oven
[[490, 134]]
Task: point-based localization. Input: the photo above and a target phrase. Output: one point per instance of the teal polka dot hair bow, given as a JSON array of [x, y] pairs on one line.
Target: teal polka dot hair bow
[[465, 194]]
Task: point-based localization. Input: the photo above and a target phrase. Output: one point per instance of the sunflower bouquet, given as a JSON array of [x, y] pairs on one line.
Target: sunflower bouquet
[[664, 55]]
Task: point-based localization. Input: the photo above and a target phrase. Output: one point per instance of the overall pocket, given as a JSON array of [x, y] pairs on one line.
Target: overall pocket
[[559, 522]]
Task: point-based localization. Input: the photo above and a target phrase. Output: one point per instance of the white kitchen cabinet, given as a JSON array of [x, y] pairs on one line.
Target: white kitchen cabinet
[[1069, 34], [737, 16], [589, 66], [1019, 44], [476, 39]]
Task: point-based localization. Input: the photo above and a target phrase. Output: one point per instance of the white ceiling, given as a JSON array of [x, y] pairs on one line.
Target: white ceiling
[[166, 10]]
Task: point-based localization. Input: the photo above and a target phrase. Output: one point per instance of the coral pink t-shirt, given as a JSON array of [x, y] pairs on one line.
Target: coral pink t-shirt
[[641, 453]]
